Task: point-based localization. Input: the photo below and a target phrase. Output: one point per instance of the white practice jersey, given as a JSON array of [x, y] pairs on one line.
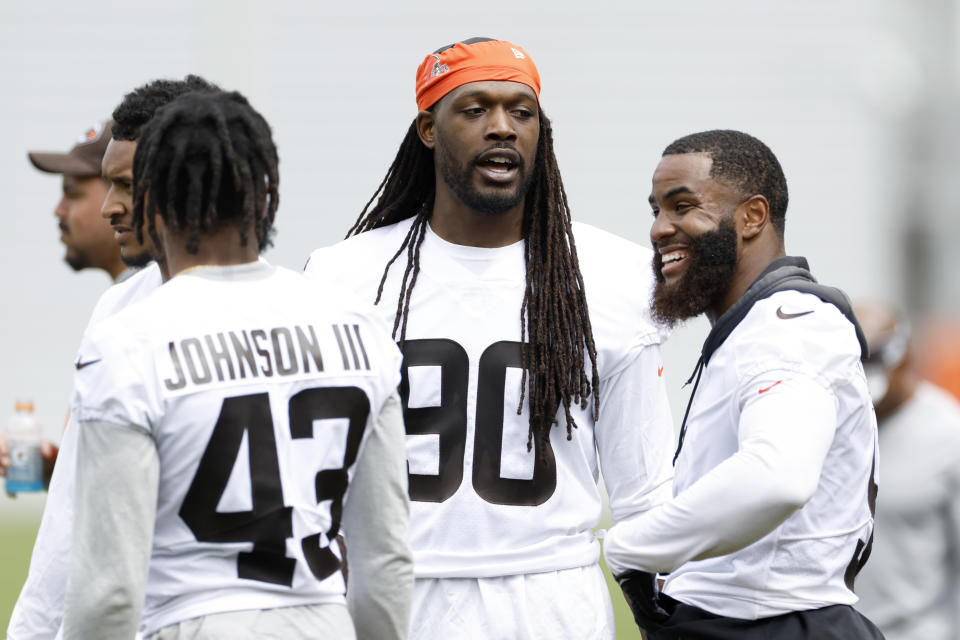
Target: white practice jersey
[[39, 608], [482, 505], [125, 293], [786, 341], [257, 388]]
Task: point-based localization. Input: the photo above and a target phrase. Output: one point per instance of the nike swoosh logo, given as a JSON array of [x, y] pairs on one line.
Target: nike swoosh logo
[[81, 365], [787, 316], [771, 386], [659, 371]]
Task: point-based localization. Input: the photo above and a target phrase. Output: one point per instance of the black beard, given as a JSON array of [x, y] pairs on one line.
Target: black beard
[[711, 264], [459, 181], [75, 262], [137, 260]]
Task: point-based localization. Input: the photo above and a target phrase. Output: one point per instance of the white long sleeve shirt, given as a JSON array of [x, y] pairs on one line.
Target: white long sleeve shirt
[[39, 609], [482, 505], [250, 414], [771, 509]]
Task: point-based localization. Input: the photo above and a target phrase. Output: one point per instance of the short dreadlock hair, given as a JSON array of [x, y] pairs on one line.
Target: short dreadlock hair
[[139, 106], [554, 321], [743, 162], [205, 158]]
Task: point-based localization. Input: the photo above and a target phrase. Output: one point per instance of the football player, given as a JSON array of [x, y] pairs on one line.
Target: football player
[[230, 421], [39, 609], [774, 485], [530, 361]]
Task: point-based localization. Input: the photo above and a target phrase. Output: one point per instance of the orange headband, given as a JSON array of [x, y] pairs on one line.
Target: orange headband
[[473, 61]]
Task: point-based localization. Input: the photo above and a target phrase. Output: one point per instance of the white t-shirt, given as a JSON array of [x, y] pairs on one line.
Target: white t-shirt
[[39, 609], [481, 504], [258, 389], [910, 588], [123, 294], [775, 483]]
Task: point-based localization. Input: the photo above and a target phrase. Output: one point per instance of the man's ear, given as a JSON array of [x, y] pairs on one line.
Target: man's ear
[[426, 128], [755, 214]]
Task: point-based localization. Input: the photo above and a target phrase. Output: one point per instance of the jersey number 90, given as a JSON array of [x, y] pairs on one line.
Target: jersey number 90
[[449, 421]]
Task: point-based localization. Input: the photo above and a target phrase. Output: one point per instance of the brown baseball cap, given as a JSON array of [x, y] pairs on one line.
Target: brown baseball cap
[[83, 160]]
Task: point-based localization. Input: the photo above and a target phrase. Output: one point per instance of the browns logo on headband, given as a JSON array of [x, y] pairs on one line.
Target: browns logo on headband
[[473, 60]]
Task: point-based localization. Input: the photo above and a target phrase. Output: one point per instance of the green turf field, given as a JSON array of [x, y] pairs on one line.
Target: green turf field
[[16, 541]]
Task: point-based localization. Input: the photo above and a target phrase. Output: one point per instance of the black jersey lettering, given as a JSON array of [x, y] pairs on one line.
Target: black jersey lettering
[[449, 421]]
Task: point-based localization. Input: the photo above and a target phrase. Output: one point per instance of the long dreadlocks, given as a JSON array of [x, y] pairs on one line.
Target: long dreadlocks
[[554, 321], [205, 158]]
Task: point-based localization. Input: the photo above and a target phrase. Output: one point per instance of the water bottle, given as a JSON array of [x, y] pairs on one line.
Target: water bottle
[[24, 436]]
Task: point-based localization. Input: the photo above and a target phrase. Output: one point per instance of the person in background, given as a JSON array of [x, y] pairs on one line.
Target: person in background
[[911, 586], [39, 608], [87, 237]]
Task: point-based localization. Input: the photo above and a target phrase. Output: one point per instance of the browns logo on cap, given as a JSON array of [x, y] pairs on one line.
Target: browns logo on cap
[[473, 60], [83, 160]]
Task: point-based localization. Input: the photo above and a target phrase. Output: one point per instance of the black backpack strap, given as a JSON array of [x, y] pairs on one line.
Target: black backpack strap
[[785, 274]]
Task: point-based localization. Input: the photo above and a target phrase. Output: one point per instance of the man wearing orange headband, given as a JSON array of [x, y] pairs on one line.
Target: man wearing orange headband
[[514, 394]]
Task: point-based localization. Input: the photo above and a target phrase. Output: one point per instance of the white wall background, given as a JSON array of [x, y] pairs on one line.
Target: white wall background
[[824, 83]]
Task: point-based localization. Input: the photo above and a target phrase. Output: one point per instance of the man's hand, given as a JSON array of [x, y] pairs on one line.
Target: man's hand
[[48, 450], [642, 593]]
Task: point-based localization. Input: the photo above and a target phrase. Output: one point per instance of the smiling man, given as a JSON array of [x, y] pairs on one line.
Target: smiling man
[[470, 253], [774, 488]]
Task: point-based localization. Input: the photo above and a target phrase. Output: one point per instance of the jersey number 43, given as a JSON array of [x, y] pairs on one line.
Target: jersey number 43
[[269, 523]]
